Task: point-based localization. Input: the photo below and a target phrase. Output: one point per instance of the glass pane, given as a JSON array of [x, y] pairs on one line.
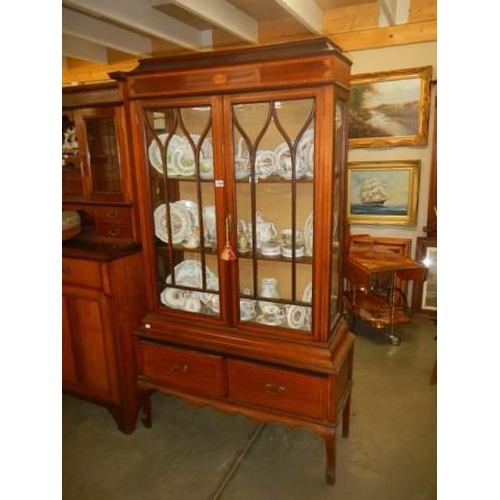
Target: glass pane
[[273, 170], [180, 156], [71, 161], [339, 145], [103, 154]]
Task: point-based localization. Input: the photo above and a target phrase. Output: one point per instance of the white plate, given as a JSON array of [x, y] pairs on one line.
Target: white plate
[[308, 234], [154, 153], [174, 297], [280, 320], [180, 221], [284, 162], [265, 164], [188, 273], [305, 151], [307, 295], [180, 156]]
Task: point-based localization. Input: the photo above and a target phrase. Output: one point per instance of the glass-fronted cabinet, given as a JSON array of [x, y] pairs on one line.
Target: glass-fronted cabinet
[[253, 206], [241, 166], [96, 167]]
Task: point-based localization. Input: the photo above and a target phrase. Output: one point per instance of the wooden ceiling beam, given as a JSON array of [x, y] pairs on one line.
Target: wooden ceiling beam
[[93, 30], [143, 18], [393, 12], [306, 12], [82, 49], [223, 15]]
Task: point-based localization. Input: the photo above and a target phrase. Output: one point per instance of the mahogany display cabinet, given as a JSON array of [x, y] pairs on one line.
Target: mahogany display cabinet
[[240, 159]]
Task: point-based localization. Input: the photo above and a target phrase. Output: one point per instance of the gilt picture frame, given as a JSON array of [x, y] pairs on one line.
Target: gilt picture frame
[[390, 108], [383, 192], [424, 298]]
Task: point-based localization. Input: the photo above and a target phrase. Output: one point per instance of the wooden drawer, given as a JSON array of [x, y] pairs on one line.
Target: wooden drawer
[[197, 372], [120, 215], [278, 388], [81, 272], [114, 230]]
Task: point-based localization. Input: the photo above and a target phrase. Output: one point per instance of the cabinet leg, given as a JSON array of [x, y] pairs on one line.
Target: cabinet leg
[[125, 425], [331, 455], [146, 410], [346, 417]]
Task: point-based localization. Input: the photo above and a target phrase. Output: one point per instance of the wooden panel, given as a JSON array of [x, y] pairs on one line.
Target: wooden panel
[[89, 337], [81, 272], [296, 72], [277, 388], [201, 373], [69, 371]]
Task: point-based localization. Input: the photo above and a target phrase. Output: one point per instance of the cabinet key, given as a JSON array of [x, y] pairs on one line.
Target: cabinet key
[[176, 367], [272, 389]]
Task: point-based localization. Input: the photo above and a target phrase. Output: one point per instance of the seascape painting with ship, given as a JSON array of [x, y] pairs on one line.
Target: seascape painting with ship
[[379, 193]]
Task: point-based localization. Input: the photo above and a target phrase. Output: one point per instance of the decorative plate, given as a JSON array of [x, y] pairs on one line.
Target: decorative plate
[[265, 164], [180, 222], [174, 297], [276, 321], [188, 273], [154, 153], [305, 151], [308, 234], [307, 295]]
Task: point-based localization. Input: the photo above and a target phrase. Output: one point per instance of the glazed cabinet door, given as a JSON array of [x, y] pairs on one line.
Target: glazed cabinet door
[[87, 346], [286, 178], [184, 201], [72, 164], [102, 152]]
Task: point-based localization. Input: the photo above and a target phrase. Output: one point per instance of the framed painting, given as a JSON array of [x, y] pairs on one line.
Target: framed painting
[[390, 108], [383, 192], [424, 297]]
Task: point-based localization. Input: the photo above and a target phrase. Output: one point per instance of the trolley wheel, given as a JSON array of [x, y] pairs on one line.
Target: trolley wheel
[[394, 339]]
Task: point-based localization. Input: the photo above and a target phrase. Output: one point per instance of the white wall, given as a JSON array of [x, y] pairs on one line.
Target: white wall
[[387, 59]]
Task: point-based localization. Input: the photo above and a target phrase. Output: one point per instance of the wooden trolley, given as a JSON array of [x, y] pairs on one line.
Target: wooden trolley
[[371, 293]]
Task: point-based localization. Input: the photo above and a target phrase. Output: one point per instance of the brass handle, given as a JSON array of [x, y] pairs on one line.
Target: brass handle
[[112, 214], [114, 231], [176, 367], [272, 389]]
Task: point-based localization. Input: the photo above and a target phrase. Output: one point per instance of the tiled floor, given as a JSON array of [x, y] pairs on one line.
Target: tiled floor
[[195, 453]]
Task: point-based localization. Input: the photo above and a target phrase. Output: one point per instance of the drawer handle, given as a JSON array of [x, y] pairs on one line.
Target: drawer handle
[[272, 389], [65, 270], [112, 214], [114, 231], [176, 367]]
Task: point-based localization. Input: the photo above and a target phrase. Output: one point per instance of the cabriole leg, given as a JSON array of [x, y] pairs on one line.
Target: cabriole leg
[[331, 455]]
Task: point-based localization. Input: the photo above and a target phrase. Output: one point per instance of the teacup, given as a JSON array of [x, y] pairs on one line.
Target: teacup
[[270, 309]]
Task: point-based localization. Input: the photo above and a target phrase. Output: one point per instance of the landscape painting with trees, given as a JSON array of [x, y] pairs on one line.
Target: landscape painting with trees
[[390, 108]]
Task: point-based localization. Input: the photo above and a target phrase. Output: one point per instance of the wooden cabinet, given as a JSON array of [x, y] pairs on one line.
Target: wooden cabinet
[[96, 175], [102, 303], [241, 173]]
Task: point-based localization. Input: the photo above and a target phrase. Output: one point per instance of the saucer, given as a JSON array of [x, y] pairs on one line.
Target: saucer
[[276, 321]]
